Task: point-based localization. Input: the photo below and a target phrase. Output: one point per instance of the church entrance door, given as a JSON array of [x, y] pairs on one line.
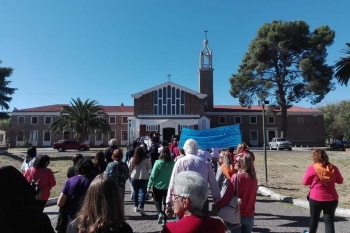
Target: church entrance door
[[168, 134]]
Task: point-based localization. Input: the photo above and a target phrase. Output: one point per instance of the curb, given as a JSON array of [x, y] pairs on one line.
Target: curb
[[298, 202], [51, 202]]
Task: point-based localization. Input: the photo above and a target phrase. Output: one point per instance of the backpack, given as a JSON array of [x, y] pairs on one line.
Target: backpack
[[35, 185]]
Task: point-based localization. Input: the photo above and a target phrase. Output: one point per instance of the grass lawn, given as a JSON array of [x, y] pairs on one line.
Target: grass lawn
[[285, 171]]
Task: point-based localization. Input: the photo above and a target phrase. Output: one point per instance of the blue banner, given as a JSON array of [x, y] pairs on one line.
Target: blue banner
[[220, 137]]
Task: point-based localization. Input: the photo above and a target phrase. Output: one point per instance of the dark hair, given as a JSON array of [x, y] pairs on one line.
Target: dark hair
[[165, 154], [41, 161], [320, 156], [134, 144], [76, 158], [182, 151], [139, 155], [31, 153], [84, 166], [231, 149], [102, 209], [99, 157], [118, 155]]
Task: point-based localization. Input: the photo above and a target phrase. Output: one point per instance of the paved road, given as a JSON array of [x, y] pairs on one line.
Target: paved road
[[270, 216]]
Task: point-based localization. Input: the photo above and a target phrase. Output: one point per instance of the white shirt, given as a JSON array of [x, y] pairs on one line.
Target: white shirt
[[197, 164], [215, 153], [25, 166], [204, 154]]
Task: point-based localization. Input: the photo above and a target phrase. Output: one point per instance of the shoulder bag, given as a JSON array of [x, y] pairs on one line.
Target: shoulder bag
[[231, 213]]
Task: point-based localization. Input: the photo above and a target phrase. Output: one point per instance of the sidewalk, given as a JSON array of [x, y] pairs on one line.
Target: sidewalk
[[273, 214]]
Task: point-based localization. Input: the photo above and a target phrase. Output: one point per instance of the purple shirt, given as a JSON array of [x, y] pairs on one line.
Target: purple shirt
[[76, 188]]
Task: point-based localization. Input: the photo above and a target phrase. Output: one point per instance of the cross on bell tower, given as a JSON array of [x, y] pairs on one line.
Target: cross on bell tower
[[206, 54], [169, 75], [205, 73]]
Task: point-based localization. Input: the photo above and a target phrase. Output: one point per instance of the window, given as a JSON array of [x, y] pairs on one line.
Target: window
[[253, 120], [124, 119], [21, 120], [222, 120], [20, 136], [238, 120], [124, 135], [151, 127], [33, 136], [168, 101], [112, 120], [47, 120], [47, 136], [34, 120], [98, 136], [271, 120], [111, 135], [187, 126]]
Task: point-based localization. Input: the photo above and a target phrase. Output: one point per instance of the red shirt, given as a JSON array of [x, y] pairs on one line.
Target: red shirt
[[320, 191], [172, 146], [47, 180], [194, 224], [247, 189]]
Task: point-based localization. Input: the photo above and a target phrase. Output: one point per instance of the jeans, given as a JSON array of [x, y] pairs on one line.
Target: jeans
[[247, 224], [139, 186], [328, 208], [159, 200]]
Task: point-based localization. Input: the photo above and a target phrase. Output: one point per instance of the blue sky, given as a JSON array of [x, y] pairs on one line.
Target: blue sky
[[108, 50]]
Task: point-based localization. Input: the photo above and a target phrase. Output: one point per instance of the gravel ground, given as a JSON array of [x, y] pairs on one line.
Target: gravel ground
[[270, 216]]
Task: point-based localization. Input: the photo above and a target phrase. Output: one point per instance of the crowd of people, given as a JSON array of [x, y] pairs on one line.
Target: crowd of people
[[178, 179]]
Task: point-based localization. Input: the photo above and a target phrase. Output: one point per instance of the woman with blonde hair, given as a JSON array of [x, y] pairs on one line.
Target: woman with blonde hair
[[322, 176], [247, 182], [225, 170], [102, 209]]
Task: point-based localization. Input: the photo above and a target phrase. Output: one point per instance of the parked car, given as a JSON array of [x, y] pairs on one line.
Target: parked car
[[339, 145], [68, 144], [280, 144]]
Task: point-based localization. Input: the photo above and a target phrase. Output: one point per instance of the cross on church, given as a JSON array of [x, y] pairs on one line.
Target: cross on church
[[206, 31], [169, 75]]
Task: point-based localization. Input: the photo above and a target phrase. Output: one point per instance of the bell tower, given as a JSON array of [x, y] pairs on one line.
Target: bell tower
[[205, 74]]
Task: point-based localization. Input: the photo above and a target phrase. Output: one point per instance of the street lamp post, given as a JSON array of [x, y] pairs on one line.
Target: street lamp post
[[264, 136]]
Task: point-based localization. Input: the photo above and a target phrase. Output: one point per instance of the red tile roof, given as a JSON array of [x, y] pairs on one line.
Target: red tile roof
[[234, 108], [48, 108], [56, 108]]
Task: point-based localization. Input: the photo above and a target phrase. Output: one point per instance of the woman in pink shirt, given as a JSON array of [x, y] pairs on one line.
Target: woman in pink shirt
[[45, 178], [247, 183], [321, 176]]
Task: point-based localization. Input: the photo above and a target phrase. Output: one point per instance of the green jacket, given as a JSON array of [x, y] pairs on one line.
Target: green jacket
[[161, 174]]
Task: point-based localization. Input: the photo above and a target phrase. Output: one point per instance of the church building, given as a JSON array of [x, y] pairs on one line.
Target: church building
[[169, 107]]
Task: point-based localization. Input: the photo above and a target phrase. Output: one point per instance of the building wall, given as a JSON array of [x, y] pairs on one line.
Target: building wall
[[118, 127], [144, 105], [303, 130], [206, 87]]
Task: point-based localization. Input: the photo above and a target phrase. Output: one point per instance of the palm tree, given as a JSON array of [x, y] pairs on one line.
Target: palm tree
[[84, 118], [342, 67]]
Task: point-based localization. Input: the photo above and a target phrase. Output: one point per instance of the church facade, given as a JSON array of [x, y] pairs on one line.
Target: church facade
[[168, 108]]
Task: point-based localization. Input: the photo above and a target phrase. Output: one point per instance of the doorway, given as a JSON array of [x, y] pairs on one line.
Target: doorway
[[168, 134], [271, 134], [66, 135]]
